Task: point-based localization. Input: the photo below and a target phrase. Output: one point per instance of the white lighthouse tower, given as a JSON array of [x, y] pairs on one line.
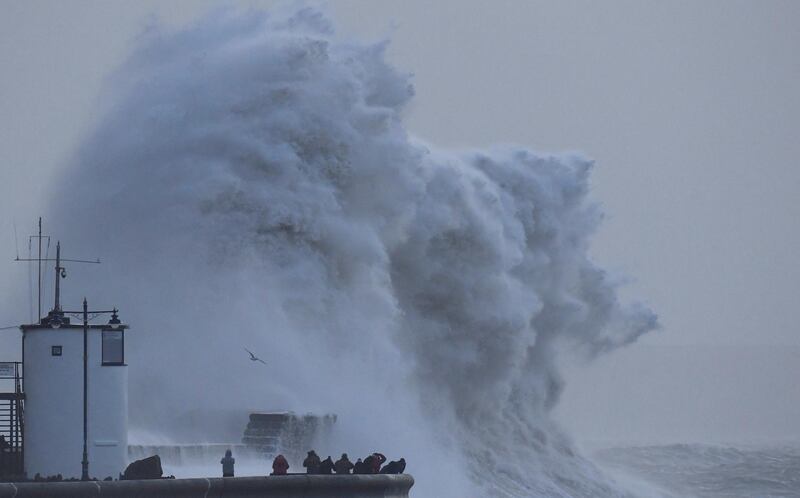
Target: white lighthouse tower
[[76, 393]]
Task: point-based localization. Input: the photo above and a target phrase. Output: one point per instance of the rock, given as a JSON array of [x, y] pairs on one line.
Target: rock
[[146, 468]]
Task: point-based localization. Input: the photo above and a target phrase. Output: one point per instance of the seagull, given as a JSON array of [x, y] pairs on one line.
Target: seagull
[[254, 357]]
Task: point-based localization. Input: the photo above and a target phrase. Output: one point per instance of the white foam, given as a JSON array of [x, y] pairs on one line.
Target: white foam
[[251, 185]]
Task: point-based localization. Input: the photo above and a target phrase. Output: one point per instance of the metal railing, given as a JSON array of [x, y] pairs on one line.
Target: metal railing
[[12, 430]]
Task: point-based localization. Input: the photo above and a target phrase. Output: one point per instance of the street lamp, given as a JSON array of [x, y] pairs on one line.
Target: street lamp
[[113, 323]]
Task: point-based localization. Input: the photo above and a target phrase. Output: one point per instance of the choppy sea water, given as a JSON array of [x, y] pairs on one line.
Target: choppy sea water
[[706, 471]]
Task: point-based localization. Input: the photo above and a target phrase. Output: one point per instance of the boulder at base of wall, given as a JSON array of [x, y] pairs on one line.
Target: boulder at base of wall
[[146, 468]]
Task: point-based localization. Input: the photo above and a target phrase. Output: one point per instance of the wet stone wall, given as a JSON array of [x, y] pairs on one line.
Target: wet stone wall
[[292, 486]]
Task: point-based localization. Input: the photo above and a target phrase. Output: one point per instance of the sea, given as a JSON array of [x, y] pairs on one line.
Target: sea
[[705, 470], [654, 471]]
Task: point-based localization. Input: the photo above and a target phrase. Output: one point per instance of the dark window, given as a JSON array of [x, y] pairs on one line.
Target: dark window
[[113, 347], [55, 350]]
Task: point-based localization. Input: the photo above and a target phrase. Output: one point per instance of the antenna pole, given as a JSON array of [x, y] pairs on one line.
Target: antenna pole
[[58, 276], [39, 316], [61, 272]]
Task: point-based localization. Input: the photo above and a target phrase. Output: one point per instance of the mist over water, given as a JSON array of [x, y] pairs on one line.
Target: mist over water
[[251, 184]]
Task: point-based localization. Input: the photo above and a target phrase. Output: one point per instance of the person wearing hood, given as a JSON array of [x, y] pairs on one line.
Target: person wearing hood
[[326, 466], [311, 463], [343, 465], [375, 461], [279, 466], [394, 467], [227, 464]]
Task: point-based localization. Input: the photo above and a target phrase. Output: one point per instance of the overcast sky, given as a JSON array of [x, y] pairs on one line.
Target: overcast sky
[[691, 109]]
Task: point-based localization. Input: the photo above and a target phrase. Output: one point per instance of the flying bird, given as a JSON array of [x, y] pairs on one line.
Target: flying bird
[[254, 357]]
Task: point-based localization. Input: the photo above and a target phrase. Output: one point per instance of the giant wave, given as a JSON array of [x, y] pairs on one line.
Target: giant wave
[[250, 183]]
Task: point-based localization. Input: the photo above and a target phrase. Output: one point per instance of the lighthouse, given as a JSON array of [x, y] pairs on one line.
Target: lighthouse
[[75, 416]]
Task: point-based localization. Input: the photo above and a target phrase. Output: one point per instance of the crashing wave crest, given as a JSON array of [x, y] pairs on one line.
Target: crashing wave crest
[[252, 184]]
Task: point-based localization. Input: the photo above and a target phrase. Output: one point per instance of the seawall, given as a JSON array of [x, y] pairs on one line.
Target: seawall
[[292, 486]]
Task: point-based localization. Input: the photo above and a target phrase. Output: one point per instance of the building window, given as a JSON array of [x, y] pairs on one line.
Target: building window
[[113, 347], [55, 350]]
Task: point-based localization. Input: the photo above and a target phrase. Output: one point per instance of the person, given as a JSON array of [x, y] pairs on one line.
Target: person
[[311, 463], [227, 464], [368, 464], [279, 466], [394, 467], [326, 466], [359, 467], [377, 460], [343, 465]]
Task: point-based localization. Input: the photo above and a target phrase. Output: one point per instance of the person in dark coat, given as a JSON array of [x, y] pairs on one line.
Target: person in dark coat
[[359, 467], [311, 463], [377, 460], [369, 464], [227, 464], [394, 467], [343, 465], [326, 466], [279, 466]]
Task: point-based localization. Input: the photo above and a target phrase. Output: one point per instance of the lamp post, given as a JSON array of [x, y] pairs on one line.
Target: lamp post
[[114, 320], [85, 461]]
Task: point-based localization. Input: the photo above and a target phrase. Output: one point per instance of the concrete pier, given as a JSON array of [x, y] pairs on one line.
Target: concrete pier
[[291, 486]]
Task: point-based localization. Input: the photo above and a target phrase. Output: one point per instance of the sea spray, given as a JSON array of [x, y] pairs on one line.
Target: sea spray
[[250, 184]]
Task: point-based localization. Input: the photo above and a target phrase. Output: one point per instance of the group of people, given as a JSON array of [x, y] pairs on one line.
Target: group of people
[[372, 464]]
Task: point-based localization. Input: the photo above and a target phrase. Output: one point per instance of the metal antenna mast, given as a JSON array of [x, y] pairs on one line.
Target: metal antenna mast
[[39, 258], [61, 272], [39, 261]]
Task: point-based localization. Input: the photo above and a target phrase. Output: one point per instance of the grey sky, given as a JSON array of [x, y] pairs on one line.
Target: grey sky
[[691, 110]]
